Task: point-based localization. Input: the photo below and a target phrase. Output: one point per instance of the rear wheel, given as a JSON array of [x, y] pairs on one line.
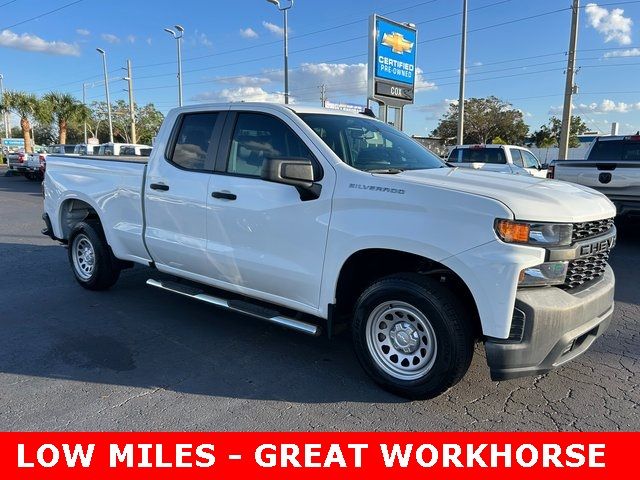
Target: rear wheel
[[91, 259], [411, 336]]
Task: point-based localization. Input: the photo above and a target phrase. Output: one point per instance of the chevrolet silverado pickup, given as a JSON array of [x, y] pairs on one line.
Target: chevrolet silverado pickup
[[316, 219], [612, 167]]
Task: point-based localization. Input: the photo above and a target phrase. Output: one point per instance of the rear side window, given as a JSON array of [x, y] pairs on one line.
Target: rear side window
[[607, 150], [454, 156], [483, 155], [258, 137], [516, 155], [193, 140]]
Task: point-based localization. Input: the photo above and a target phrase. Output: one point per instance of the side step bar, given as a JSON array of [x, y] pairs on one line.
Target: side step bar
[[291, 323]]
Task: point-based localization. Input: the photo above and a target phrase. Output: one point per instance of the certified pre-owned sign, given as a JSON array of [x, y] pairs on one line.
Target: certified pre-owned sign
[[392, 62]]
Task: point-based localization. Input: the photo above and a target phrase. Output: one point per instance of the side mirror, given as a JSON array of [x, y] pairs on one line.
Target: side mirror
[[297, 172]]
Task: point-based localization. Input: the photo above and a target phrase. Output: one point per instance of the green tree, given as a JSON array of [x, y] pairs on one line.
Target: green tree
[[549, 134], [485, 119], [63, 108], [148, 121], [26, 106]]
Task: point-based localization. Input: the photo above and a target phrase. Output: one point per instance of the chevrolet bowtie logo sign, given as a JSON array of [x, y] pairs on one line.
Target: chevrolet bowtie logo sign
[[397, 43]]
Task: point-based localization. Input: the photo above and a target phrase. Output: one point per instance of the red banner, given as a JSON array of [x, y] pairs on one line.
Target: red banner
[[312, 456]]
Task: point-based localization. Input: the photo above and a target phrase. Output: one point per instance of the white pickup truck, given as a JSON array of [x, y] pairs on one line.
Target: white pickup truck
[[497, 158], [311, 218], [612, 167]]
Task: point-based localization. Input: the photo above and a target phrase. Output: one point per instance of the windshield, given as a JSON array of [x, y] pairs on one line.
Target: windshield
[[370, 145]]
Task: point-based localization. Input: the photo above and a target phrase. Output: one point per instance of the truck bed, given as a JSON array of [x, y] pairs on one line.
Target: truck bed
[[111, 185]]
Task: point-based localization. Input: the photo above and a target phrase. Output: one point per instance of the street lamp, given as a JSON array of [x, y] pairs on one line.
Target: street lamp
[[178, 34], [5, 118], [285, 11], [106, 89]]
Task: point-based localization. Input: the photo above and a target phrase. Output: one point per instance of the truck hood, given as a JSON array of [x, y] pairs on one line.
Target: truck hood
[[528, 197]]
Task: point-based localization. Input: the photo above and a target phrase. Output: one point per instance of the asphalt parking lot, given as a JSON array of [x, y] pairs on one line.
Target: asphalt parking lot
[[135, 358]]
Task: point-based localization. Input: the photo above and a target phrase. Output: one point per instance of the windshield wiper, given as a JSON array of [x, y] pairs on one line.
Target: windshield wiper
[[389, 171]]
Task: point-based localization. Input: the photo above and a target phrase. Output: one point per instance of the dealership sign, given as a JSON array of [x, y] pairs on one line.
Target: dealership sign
[[392, 62]]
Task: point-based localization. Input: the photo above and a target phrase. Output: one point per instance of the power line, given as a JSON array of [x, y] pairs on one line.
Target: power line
[[43, 14]]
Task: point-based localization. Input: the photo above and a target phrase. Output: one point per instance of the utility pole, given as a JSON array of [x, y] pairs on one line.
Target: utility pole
[[5, 117], [463, 74], [106, 91], [570, 87], [84, 102], [132, 108], [323, 95]]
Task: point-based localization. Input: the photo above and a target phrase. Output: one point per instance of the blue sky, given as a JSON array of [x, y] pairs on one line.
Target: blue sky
[[233, 51]]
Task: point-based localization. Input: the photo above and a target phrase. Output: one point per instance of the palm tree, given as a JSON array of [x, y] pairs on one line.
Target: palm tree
[[27, 107], [63, 108]]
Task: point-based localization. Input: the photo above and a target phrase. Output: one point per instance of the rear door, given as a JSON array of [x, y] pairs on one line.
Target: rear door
[[263, 238], [176, 194]]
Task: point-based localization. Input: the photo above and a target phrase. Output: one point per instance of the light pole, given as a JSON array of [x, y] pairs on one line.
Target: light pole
[[285, 11], [132, 111], [178, 34], [5, 118], [463, 74], [106, 89]]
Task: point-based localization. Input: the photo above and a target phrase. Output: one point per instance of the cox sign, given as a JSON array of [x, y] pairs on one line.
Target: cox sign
[[392, 61]]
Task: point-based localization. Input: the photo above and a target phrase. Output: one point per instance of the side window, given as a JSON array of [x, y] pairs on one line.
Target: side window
[[516, 155], [454, 156], [193, 140], [259, 137], [530, 161]]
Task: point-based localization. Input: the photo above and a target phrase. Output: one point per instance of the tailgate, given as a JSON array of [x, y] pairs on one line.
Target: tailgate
[[619, 178]]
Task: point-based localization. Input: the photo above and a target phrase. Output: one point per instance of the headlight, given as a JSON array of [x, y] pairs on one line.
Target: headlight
[[546, 274], [536, 234]]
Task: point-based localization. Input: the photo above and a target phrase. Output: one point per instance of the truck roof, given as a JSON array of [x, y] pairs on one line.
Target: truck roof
[[274, 106]]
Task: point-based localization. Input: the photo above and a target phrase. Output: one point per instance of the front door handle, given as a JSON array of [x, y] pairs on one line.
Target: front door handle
[[159, 186], [224, 195]]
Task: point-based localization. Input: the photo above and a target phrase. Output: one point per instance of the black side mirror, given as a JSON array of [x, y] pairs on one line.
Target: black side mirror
[[297, 172]]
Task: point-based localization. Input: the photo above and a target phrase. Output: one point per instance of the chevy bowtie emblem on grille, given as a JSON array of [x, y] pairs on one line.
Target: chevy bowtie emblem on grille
[[605, 178], [397, 43]]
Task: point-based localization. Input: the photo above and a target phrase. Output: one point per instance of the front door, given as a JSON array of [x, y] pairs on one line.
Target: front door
[[263, 239]]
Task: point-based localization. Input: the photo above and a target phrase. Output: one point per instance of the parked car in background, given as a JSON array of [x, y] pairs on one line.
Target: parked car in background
[[135, 150], [61, 149], [16, 159], [612, 167], [86, 149], [115, 149], [497, 158]]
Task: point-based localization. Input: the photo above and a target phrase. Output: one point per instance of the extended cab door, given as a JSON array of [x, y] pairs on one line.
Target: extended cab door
[[176, 194], [264, 238]]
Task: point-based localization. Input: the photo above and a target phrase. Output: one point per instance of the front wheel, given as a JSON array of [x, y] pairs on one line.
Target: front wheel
[[411, 336], [92, 261]]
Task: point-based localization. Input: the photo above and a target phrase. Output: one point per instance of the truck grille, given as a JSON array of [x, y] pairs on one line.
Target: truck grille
[[586, 269], [584, 231]]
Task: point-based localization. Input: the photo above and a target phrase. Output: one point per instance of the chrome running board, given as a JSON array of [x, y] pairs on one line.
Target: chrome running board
[[290, 323]]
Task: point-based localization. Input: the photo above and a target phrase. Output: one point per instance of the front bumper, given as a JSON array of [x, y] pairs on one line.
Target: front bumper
[[558, 327]]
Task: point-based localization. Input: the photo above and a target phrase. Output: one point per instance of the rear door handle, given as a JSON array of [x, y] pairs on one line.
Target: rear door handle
[[159, 186], [224, 195]]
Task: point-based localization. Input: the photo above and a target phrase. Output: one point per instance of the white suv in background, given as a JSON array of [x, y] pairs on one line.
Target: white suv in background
[[497, 158]]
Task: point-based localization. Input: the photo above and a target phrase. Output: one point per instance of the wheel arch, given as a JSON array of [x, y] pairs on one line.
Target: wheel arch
[[365, 266], [74, 210]]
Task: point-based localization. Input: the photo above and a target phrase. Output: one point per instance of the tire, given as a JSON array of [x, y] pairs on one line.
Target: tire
[[28, 175], [411, 336], [91, 259]]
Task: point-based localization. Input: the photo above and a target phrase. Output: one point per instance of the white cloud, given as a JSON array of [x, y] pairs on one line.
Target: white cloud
[[273, 28], [342, 80], [610, 23], [131, 39], [33, 43], [111, 38], [631, 52], [240, 94], [248, 33], [83, 31], [606, 106], [242, 81], [477, 64], [149, 41]]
